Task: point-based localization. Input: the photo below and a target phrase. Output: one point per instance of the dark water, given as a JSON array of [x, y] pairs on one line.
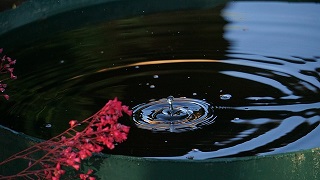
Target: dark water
[[256, 63]]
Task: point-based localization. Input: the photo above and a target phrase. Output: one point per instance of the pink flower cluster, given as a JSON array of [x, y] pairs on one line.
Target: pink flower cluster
[[6, 67], [71, 147], [103, 130]]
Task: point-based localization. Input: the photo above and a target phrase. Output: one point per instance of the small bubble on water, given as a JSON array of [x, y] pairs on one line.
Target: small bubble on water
[[62, 61], [155, 76], [137, 67], [48, 125], [147, 84], [194, 94], [101, 52], [235, 120], [225, 96], [152, 86]]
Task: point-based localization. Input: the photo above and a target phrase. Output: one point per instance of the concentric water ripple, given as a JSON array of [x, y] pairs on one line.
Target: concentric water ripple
[[173, 115], [255, 75]]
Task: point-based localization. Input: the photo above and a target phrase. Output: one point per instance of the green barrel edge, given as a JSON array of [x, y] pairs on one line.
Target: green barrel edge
[[295, 165]]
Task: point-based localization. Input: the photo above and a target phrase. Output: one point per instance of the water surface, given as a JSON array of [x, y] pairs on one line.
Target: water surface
[[256, 63]]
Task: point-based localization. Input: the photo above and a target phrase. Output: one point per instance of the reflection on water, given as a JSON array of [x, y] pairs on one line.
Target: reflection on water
[[259, 70]]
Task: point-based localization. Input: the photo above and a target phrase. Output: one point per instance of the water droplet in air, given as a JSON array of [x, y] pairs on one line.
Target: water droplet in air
[[48, 125], [155, 76], [152, 86]]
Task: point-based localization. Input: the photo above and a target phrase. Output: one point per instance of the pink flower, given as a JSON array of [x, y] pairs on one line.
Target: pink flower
[[6, 96], [126, 110], [58, 172], [75, 144], [87, 175], [5, 67], [73, 123]]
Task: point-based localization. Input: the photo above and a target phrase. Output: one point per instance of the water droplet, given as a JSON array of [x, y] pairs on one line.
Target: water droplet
[[170, 99], [236, 120], [62, 61], [152, 86], [225, 96], [194, 94], [155, 76], [48, 125], [101, 52], [137, 67]]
